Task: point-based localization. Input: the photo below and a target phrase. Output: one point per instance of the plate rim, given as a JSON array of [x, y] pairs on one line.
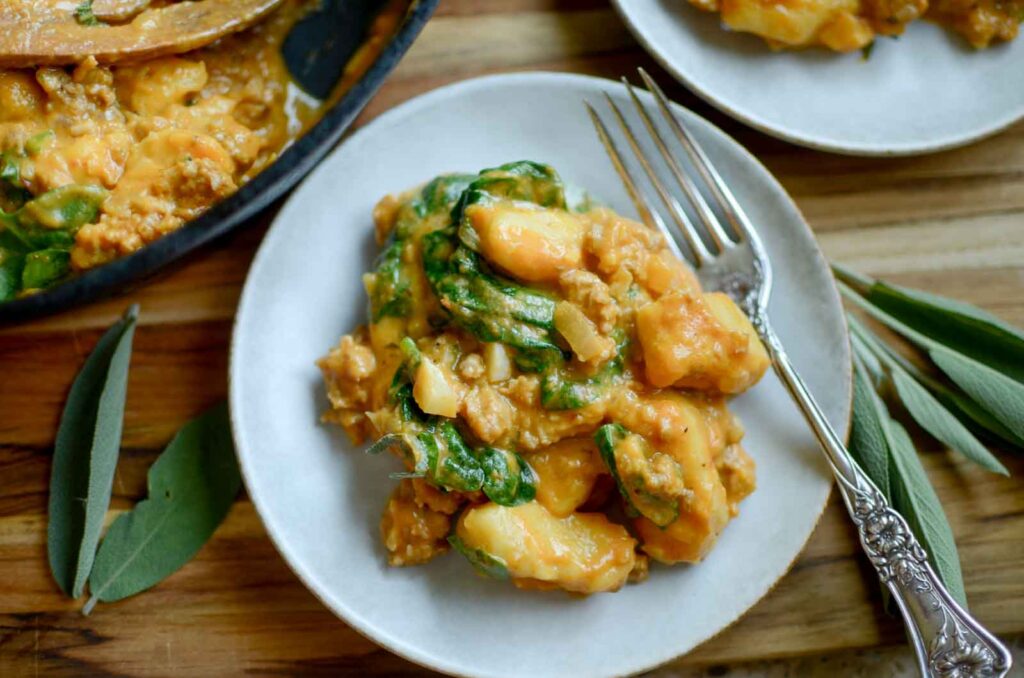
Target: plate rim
[[345, 615], [238, 209], [864, 150]]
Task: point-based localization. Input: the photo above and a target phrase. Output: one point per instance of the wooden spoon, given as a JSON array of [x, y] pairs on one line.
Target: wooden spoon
[[47, 33]]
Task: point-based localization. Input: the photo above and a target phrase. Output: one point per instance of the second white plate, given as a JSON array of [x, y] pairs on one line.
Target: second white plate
[[321, 498], [927, 91]]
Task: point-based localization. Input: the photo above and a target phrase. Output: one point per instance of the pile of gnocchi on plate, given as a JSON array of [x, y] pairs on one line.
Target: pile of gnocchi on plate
[[553, 380]]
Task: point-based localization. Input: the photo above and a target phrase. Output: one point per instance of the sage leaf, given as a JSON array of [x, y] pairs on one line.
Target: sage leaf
[[85, 456], [191, 488], [966, 410], [934, 418], [915, 499], [997, 393], [1002, 396], [962, 327], [867, 438], [925, 408], [975, 416]]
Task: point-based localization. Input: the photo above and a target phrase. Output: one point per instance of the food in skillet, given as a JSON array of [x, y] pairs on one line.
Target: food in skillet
[[554, 381], [97, 161], [845, 25]]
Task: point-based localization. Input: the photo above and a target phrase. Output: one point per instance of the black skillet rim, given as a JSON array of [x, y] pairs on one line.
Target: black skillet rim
[[283, 174]]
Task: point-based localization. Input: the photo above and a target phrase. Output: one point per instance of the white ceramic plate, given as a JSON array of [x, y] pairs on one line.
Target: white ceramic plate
[[321, 499], [925, 92]]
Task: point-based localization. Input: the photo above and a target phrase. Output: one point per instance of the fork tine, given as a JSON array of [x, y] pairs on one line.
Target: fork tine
[[715, 230], [726, 201], [647, 215], [689, 232]]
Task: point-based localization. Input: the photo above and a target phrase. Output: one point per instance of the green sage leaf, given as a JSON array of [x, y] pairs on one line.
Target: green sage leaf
[[975, 416], [191, 488], [867, 437], [85, 455], [1002, 396], [970, 413], [915, 499], [925, 408], [999, 394], [962, 327], [934, 418]]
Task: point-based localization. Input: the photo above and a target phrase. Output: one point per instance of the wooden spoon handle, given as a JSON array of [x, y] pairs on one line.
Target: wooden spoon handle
[[37, 35]]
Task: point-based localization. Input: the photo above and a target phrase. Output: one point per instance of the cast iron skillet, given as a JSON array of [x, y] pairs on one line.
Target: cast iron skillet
[[331, 36]]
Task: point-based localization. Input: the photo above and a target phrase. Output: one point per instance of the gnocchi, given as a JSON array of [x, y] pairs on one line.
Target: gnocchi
[[556, 376]]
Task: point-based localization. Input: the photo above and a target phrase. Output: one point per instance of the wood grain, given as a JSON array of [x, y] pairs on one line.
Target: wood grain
[[950, 223]]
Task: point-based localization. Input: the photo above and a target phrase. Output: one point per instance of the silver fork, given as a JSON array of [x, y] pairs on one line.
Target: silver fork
[[948, 641]]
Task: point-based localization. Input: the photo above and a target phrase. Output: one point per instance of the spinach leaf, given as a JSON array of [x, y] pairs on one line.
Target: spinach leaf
[[490, 307], [508, 479], [63, 209], [37, 142], [441, 194], [191, 488], [482, 562], [45, 267], [561, 390], [36, 239], [456, 466], [12, 190], [12, 264], [390, 287], [651, 482], [390, 284], [84, 15], [523, 181], [85, 455], [437, 452]]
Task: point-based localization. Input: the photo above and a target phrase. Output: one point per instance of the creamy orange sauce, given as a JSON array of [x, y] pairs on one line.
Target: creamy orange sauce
[[676, 353]]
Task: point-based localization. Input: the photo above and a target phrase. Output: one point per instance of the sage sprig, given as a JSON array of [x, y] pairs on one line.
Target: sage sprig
[[191, 488], [964, 328], [981, 396], [924, 407], [85, 456], [985, 378], [191, 485]]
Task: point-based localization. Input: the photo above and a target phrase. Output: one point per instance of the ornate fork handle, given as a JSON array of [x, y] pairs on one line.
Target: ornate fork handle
[[948, 641]]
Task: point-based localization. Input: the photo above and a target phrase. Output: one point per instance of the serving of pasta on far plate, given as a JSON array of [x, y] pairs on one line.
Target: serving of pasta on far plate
[[846, 25]]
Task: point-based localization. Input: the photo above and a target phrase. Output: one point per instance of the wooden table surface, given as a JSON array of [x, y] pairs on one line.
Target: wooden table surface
[[951, 223]]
